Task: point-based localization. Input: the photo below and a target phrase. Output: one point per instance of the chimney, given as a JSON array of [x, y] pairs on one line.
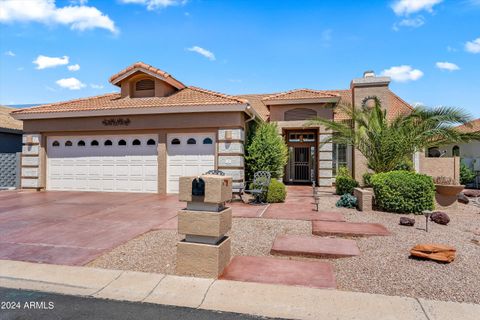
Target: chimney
[[370, 86]]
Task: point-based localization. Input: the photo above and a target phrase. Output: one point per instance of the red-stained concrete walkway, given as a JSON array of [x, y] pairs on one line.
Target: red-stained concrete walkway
[[312, 246]]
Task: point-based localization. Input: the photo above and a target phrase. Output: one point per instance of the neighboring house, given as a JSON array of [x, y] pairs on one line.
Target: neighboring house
[[468, 152], [157, 129], [10, 132]]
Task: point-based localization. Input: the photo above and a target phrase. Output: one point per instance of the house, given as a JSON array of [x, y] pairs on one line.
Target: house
[[156, 129], [10, 132]]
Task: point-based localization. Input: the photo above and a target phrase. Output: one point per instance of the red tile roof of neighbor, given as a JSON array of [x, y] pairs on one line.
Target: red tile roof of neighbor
[[190, 96], [472, 126]]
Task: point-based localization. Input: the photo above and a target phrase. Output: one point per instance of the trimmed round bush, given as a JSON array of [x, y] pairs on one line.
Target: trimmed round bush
[[347, 201], [344, 183], [403, 192], [276, 192]]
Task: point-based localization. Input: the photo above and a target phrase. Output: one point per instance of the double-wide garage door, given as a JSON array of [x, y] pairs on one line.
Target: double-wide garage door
[[126, 163]]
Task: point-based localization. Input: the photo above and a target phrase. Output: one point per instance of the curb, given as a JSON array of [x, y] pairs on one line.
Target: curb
[[278, 301]]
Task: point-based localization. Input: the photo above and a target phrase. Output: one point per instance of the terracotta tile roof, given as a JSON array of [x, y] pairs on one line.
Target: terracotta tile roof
[[190, 96], [301, 94], [473, 126], [6, 120], [141, 65], [257, 104]]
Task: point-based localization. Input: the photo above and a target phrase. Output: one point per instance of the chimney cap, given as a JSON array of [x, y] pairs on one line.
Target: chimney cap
[[369, 74]]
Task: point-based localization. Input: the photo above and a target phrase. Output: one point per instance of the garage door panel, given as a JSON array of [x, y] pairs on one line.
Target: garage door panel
[[103, 168]]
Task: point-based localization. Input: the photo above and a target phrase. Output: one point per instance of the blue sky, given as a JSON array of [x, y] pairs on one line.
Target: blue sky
[[431, 48]]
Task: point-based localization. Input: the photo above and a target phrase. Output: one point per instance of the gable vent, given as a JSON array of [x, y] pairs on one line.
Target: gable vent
[[300, 114], [145, 84]]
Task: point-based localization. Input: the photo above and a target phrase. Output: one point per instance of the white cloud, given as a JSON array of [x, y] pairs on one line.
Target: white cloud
[[403, 73], [44, 62], [70, 83], [473, 46], [447, 66], [410, 23], [78, 17], [10, 53], [406, 7], [74, 67], [156, 4], [96, 86], [204, 52]]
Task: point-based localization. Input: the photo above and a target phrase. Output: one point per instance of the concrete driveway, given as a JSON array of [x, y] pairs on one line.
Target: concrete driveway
[[73, 228]]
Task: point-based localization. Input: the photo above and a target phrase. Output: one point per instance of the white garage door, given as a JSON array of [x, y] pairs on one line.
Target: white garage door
[[125, 163], [188, 155]]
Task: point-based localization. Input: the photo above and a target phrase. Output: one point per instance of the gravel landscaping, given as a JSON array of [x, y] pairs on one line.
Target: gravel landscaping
[[383, 267]]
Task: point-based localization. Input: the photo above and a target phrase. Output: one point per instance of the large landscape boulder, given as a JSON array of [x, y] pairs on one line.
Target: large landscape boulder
[[406, 221], [435, 252], [440, 218], [471, 193], [462, 198]]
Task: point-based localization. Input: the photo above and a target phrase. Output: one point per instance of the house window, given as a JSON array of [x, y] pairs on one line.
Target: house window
[[339, 157], [145, 84], [81, 143], [456, 151], [122, 143], [136, 142], [175, 141], [434, 152], [151, 142], [191, 141], [68, 143], [301, 137], [56, 144], [207, 141], [108, 143], [94, 143], [300, 114]]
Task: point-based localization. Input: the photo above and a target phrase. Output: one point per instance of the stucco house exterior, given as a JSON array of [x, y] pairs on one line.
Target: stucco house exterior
[[157, 129]]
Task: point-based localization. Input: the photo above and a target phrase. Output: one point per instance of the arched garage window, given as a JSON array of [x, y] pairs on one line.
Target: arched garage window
[[175, 141], [94, 143], [122, 143], [207, 141], [68, 143], [136, 142], [108, 142], [456, 151], [56, 144], [150, 142], [191, 141], [81, 143]]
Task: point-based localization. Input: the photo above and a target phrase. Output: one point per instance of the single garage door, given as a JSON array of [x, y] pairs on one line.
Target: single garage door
[[126, 163], [188, 155]]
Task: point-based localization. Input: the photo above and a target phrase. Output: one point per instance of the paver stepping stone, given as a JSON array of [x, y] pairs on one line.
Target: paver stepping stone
[[299, 212], [354, 229], [315, 274], [294, 245]]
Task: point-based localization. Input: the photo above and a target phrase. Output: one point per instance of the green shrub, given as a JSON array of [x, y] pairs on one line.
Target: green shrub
[[344, 183], [403, 192], [276, 192], [266, 151], [347, 201], [405, 165], [367, 179], [466, 174]]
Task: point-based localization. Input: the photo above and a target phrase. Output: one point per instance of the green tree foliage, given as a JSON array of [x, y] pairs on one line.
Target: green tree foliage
[[466, 175], [266, 151], [386, 143], [344, 183]]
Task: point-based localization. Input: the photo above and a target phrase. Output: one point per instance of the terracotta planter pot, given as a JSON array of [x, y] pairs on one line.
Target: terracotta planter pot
[[448, 189]]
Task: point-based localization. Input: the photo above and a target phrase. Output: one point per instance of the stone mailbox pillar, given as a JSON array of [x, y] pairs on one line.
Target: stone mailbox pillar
[[205, 251]]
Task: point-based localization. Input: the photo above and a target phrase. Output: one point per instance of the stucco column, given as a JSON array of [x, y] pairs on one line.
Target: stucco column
[[230, 155], [33, 162], [325, 159]]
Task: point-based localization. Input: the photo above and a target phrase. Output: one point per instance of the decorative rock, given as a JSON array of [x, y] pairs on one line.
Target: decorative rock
[[472, 193], [435, 252], [440, 218], [405, 221], [462, 198]]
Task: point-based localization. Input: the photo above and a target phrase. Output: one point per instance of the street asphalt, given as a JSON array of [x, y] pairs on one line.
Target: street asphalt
[[26, 305]]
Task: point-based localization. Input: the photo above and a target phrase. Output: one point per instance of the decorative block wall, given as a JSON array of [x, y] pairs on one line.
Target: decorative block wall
[[230, 155], [9, 170], [31, 162]]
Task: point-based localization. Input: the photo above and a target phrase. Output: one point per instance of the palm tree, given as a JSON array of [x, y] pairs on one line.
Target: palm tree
[[386, 144]]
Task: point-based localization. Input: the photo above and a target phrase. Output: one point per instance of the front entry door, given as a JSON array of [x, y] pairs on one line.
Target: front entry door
[[301, 162]]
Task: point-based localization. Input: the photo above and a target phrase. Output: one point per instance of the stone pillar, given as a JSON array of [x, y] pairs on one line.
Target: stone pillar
[[325, 159], [205, 251], [32, 164], [230, 155]]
